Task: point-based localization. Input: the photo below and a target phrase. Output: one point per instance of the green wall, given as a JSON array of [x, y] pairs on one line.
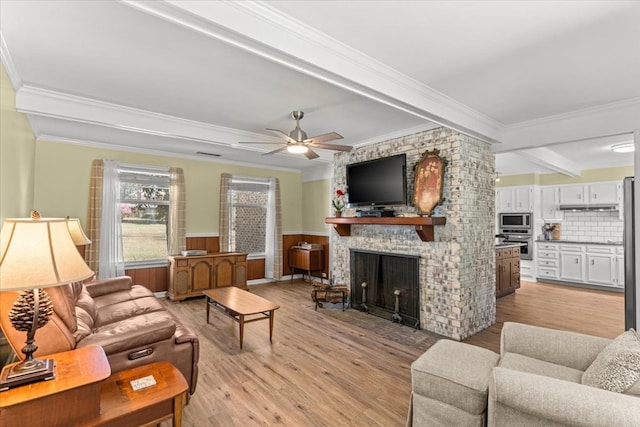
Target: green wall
[[17, 155], [315, 206], [62, 183], [588, 175]]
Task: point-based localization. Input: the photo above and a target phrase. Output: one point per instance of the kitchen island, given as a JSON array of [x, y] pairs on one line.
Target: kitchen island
[[507, 268]]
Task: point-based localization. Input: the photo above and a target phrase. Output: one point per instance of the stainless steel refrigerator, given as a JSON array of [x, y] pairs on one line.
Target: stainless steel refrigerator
[[630, 288]]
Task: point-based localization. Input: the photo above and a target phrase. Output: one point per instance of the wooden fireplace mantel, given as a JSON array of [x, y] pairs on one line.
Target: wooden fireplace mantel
[[423, 225]]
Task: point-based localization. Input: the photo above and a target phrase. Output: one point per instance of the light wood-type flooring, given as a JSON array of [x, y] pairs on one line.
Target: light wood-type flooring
[[329, 368]]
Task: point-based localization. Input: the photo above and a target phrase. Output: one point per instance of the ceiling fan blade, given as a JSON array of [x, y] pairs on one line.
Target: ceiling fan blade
[[311, 154], [275, 151], [331, 147], [286, 135], [331, 136], [259, 142]]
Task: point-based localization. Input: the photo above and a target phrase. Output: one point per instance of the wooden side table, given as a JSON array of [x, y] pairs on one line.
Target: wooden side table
[[121, 405], [72, 397], [309, 260]]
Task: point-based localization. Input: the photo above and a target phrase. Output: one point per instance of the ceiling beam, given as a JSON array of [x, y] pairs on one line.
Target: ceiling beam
[[551, 160]]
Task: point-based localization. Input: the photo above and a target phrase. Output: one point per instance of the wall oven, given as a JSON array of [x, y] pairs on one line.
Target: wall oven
[[517, 227], [526, 244]]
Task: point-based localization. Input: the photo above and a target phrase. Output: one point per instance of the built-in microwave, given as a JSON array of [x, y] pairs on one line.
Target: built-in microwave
[[516, 221]]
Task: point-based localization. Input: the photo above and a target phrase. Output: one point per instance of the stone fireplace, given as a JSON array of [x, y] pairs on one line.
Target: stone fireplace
[[456, 271], [391, 290]]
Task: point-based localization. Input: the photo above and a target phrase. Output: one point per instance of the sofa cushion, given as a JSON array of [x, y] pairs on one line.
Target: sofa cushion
[[617, 367], [521, 363], [126, 309], [132, 333]]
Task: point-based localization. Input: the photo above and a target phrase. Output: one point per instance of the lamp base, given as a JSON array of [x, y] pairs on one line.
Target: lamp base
[[26, 372]]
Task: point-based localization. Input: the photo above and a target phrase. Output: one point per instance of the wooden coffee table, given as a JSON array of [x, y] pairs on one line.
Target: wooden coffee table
[[237, 303]]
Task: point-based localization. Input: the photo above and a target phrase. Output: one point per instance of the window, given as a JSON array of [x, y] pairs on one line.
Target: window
[[248, 208], [144, 213]]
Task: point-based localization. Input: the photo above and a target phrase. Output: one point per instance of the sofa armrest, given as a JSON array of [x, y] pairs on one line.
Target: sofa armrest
[[106, 286], [520, 398], [564, 348]]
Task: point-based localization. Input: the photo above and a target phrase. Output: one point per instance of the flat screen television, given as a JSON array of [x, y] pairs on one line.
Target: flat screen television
[[379, 182]]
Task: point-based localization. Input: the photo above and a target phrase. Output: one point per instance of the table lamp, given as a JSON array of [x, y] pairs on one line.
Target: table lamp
[[35, 253]]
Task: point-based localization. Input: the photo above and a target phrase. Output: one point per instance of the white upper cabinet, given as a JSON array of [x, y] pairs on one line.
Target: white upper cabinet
[[549, 203], [514, 199], [590, 194], [604, 192], [573, 195]]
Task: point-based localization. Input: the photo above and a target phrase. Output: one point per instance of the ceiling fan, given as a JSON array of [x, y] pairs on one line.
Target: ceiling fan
[[299, 143]]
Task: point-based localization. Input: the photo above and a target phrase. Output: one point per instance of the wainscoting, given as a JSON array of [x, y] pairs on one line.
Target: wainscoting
[[156, 278]]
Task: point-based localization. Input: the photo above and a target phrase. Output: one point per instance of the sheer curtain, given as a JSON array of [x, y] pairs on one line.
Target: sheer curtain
[[273, 226], [223, 226], [273, 238], [177, 214], [110, 258]]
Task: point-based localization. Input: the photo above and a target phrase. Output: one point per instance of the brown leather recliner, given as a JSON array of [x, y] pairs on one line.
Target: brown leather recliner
[[126, 320]]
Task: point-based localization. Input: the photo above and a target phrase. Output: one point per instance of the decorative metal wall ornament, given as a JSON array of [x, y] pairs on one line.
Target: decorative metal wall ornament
[[428, 182]]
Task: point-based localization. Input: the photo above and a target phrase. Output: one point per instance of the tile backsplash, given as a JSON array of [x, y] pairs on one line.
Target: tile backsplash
[[592, 226]]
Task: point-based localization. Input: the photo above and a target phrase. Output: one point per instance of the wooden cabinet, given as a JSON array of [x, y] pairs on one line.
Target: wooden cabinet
[[507, 270], [309, 260], [189, 276]]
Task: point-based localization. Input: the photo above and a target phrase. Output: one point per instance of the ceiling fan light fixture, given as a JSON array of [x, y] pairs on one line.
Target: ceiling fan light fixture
[[297, 149], [625, 147]]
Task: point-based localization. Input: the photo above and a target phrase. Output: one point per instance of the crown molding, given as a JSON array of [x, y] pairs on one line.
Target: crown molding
[[49, 103], [9, 66], [127, 148], [601, 121]]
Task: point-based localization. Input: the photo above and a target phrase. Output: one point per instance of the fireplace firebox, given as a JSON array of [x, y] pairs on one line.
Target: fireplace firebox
[[386, 285]]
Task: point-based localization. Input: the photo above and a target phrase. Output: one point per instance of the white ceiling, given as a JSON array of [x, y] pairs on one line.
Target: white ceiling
[[183, 77]]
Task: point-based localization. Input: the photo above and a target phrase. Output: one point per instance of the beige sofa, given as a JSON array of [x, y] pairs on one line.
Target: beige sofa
[[537, 380], [126, 320]]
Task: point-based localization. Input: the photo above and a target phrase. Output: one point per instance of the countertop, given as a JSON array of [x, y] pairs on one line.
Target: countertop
[[582, 243], [508, 245]]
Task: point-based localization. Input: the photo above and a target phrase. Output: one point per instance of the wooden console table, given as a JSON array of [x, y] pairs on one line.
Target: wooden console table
[[309, 260], [189, 276], [423, 225]]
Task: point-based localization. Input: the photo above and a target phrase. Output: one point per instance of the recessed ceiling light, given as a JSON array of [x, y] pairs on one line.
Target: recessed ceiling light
[[625, 147], [297, 149]]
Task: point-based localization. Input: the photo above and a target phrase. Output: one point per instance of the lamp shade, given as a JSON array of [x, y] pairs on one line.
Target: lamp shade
[[77, 233], [38, 253]]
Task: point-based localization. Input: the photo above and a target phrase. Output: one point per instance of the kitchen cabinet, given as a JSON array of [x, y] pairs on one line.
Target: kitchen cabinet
[[620, 267], [547, 260], [507, 270], [189, 276], [591, 194], [572, 262], [515, 199], [549, 203], [581, 263]]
